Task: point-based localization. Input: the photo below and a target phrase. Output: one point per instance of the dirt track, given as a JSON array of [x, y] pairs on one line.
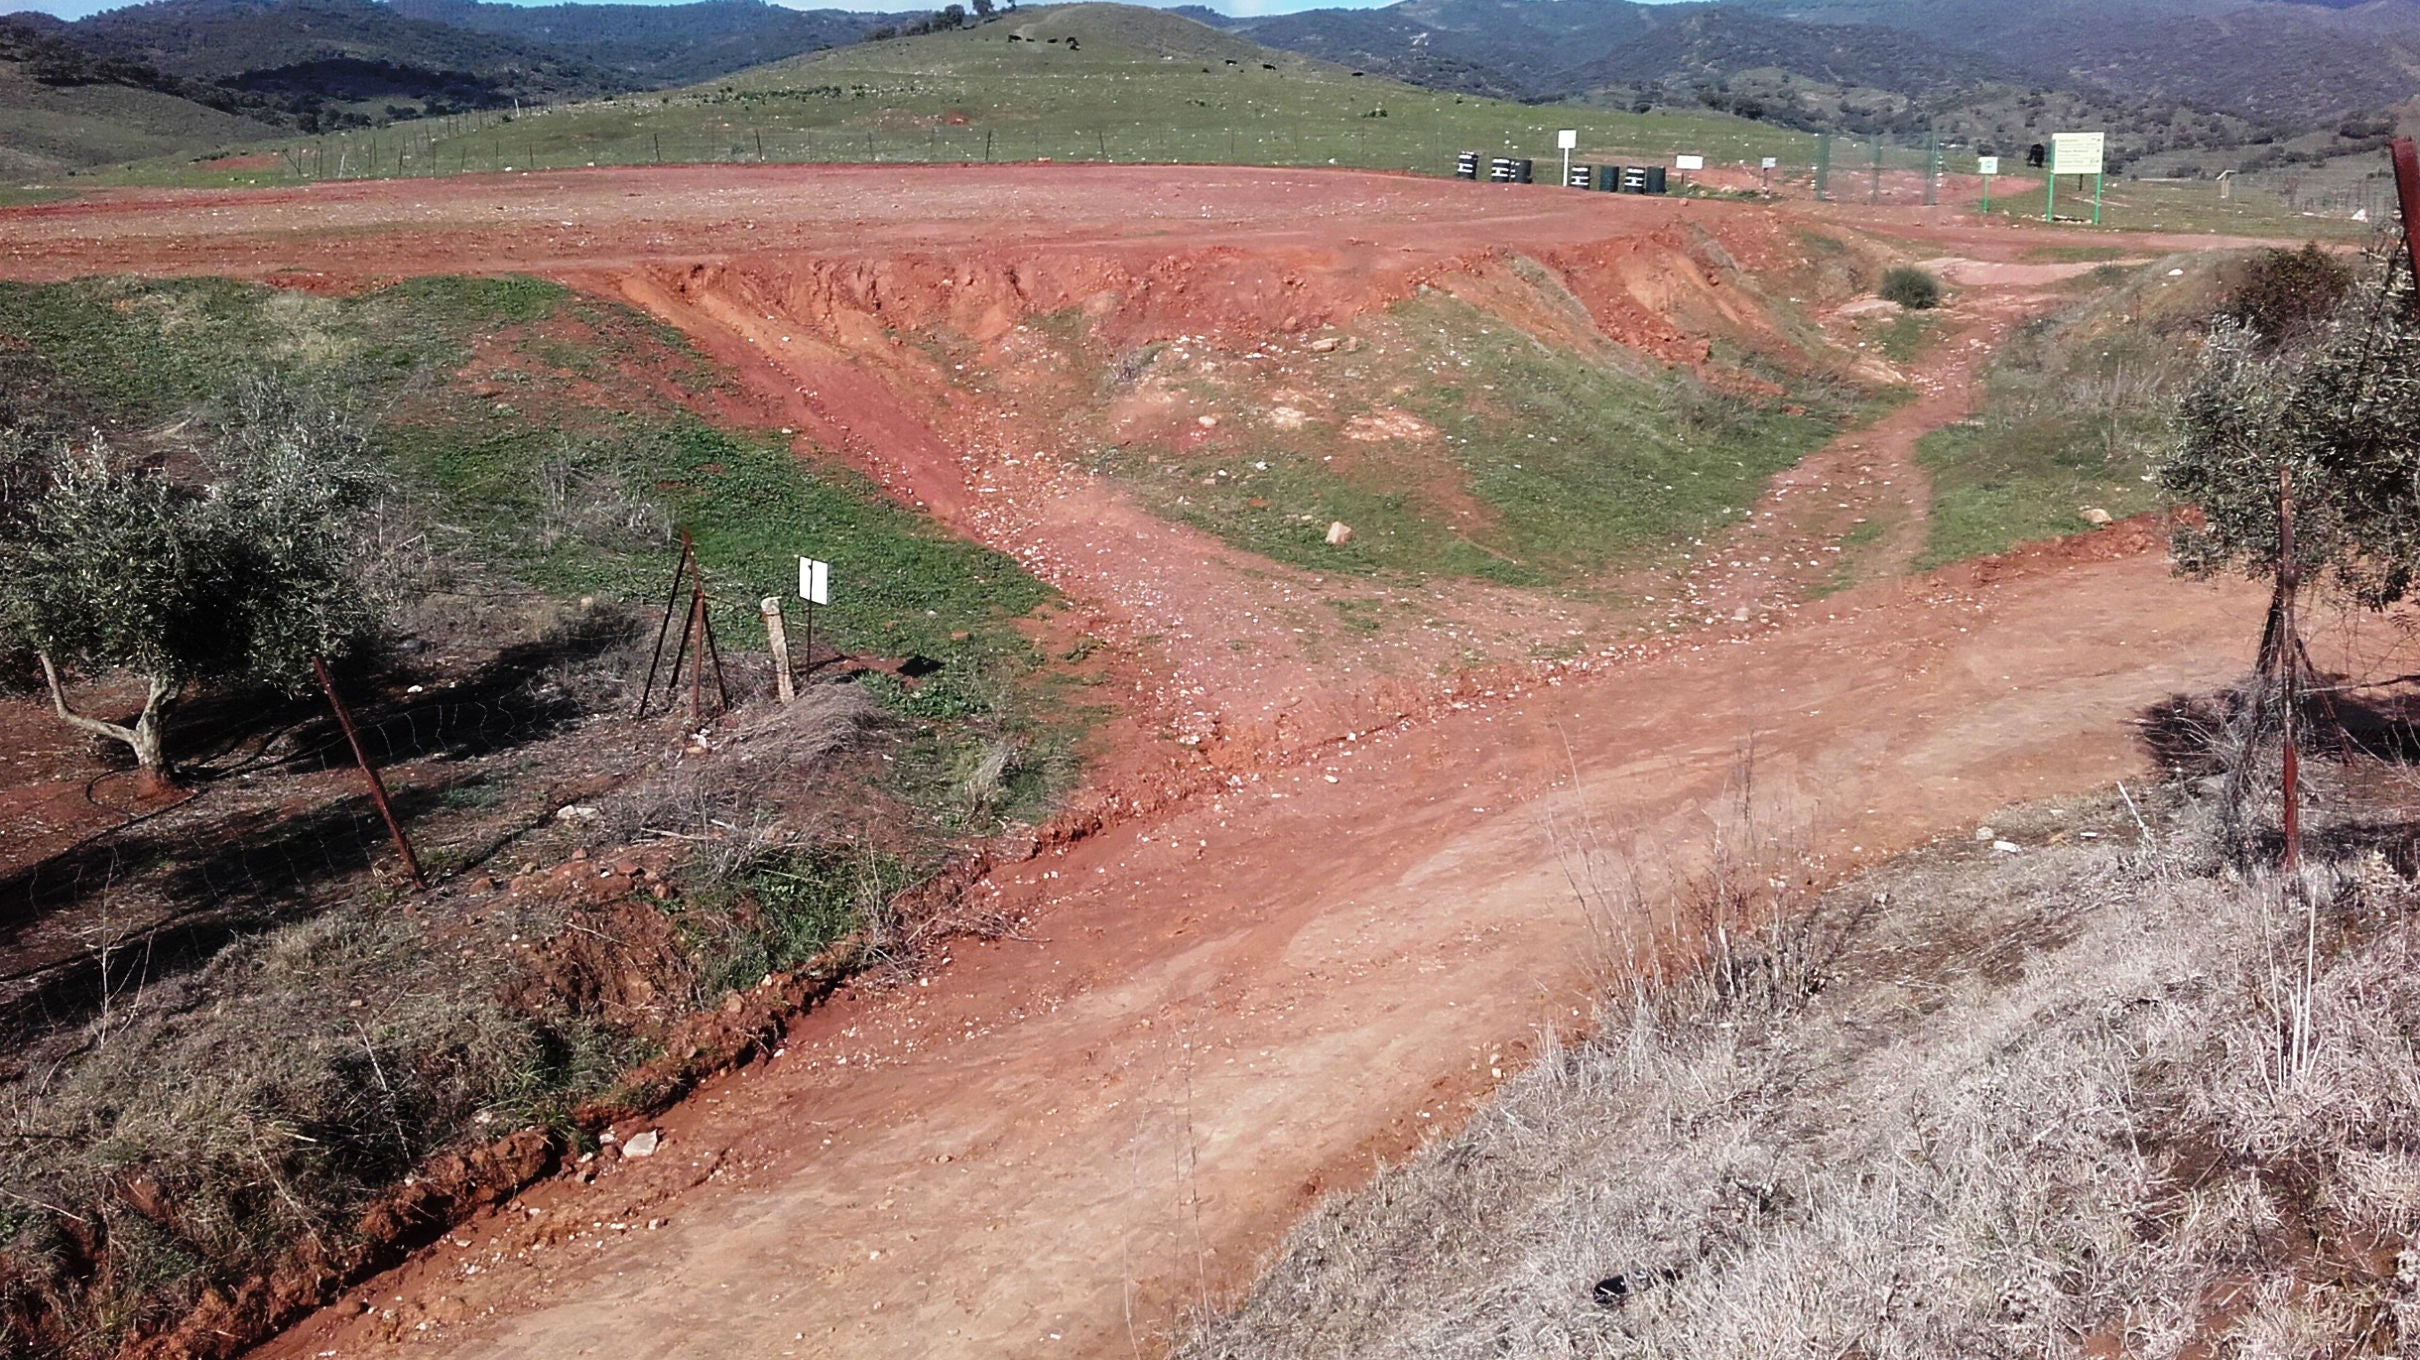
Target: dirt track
[[1059, 1143]]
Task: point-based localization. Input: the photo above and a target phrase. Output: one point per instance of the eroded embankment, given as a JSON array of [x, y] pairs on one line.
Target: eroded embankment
[[1304, 387]]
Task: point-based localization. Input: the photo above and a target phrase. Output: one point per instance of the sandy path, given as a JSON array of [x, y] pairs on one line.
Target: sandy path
[[1059, 1143]]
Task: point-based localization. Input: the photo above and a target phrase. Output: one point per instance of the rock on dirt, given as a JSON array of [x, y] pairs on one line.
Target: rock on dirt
[[1339, 534], [642, 1144], [2095, 516]]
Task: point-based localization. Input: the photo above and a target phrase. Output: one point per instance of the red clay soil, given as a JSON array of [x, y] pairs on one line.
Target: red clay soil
[[1061, 1142], [1326, 943]]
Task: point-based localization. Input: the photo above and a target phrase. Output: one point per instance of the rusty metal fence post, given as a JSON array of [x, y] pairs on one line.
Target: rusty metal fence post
[[378, 787]]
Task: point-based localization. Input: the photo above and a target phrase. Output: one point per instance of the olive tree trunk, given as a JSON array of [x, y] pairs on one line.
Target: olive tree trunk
[[144, 737]]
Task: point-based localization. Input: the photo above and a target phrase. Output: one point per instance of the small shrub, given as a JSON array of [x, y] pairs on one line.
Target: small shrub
[[1915, 289], [2285, 294]]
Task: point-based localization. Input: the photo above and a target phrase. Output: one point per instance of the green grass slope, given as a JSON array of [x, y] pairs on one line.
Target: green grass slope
[[60, 110], [2077, 411], [1092, 82]]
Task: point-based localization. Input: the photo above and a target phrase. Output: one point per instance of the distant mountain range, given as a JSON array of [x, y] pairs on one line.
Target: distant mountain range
[[2166, 77], [62, 106], [2281, 67], [319, 64]]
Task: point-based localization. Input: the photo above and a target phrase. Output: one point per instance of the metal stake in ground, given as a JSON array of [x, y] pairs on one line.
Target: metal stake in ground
[[2288, 581], [705, 627], [697, 659], [378, 788], [672, 599], [814, 587]]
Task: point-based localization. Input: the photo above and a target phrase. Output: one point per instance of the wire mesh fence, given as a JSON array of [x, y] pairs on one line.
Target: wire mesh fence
[[275, 824], [1896, 170]]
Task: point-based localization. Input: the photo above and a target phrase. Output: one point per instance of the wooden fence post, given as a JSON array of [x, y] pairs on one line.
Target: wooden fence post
[[779, 636]]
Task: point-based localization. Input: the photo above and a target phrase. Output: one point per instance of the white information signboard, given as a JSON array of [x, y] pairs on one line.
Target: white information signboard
[[1771, 161], [1987, 165], [1688, 162], [2076, 153], [1567, 139], [814, 581]]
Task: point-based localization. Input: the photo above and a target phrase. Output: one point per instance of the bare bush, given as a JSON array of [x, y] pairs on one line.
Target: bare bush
[[584, 500], [717, 793]]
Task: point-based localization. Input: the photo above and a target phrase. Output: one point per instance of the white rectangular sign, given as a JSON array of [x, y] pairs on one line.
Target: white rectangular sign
[[1688, 162], [1567, 139], [1987, 165], [2076, 153], [1771, 161], [814, 581]]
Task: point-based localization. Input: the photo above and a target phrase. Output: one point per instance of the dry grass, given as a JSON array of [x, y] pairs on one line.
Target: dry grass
[[721, 797], [271, 1096], [2081, 1097]]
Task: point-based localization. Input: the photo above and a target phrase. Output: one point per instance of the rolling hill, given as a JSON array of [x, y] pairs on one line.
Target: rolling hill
[[659, 45], [2283, 67], [1088, 82], [318, 64], [63, 108], [328, 63]]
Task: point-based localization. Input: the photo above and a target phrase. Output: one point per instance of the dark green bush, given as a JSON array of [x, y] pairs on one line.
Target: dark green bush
[[1912, 288]]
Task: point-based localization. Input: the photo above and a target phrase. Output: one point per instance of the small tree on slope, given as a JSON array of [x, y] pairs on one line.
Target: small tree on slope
[[2340, 414], [248, 578]]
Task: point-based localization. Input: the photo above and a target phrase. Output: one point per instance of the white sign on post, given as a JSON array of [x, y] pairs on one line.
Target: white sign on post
[[2076, 153], [1568, 139], [814, 581], [1987, 165], [1770, 162], [1688, 162]]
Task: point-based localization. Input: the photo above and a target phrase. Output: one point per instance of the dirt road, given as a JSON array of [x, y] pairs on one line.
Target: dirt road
[[1061, 1142]]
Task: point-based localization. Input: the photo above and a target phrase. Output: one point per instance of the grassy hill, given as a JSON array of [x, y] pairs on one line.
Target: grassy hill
[[329, 62], [665, 45], [1105, 82], [61, 109], [1073, 82], [2297, 63], [2138, 67]]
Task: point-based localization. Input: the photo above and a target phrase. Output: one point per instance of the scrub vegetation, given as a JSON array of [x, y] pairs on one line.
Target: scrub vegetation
[[232, 1034]]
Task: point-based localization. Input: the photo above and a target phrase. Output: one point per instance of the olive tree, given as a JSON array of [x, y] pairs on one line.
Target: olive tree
[[2339, 414], [246, 576]]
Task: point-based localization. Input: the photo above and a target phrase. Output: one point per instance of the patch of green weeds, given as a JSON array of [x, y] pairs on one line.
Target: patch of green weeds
[[1996, 485], [2076, 254], [783, 908], [2076, 416], [1546, 467], [1362, 617], [1907, 336], [1584, 464]]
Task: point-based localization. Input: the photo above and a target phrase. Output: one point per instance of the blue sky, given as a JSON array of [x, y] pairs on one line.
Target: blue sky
[[76, 9]]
